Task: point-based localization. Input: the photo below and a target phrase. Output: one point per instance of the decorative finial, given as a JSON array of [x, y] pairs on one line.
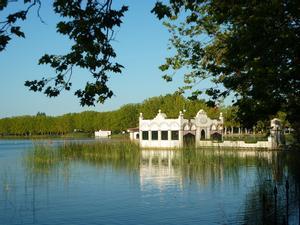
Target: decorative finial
[[159, 111], [221, 118]]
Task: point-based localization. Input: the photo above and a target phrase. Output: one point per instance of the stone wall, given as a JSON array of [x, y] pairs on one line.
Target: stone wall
[[235, 144]]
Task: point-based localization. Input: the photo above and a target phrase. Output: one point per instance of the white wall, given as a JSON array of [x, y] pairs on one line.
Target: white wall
[[161, 123], [235, 144], [102, 133], [160, 143]]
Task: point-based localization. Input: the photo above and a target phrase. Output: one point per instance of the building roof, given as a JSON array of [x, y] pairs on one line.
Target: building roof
[[134, 129]]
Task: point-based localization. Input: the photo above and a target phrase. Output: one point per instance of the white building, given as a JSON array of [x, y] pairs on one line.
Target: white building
[[103, 133], [134, 134], [201, 131], [162, 132]]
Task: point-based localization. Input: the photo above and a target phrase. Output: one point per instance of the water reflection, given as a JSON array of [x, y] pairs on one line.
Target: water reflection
[[264, 174], [215, 186], [157, 169]]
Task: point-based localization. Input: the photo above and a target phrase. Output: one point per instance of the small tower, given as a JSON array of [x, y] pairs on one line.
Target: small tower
[[277, 137], [221, 118], [180, 114], [141, 118]]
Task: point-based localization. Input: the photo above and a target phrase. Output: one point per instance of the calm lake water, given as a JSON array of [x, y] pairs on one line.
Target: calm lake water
[[153, 187]]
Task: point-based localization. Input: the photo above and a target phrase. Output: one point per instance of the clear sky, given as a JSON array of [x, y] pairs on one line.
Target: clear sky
[[141, 46]]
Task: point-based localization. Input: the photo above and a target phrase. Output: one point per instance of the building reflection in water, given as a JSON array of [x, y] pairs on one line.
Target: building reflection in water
[[157, 170], [164, 168]]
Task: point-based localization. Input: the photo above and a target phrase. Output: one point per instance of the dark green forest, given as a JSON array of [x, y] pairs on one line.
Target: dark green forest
[[117, 120]]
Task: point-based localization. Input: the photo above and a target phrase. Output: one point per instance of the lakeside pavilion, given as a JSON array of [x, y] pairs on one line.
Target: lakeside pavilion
[[200, 131], [161, 132]]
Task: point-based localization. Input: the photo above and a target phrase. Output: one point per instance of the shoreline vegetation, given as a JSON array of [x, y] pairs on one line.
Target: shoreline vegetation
[[84, 124], [63, 136], [42, 158], [247, 138]]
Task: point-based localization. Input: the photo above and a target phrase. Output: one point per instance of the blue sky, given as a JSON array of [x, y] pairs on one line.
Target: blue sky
[[141, 46]]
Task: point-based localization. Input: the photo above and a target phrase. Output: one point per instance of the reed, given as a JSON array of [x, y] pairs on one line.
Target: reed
[[43, 158]]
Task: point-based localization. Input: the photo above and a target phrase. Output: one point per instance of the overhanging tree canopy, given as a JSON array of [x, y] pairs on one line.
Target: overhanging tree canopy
[[90, 25], [252, 48]]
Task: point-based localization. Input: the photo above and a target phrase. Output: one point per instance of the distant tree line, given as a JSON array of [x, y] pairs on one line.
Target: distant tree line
[[117, 120]]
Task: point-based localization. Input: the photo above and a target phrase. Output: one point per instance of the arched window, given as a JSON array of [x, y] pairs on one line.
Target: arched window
[[213, 127], [202, 137], [186, 127]]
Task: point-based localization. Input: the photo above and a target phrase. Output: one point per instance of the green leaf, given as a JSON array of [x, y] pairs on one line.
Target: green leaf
[[17, 31]]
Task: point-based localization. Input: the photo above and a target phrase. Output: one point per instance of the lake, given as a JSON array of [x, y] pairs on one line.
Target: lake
[[65, 182]]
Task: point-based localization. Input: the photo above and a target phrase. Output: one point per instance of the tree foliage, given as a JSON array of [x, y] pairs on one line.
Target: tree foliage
[[90, 26], [9, 27], [252, 48], [118, 120]]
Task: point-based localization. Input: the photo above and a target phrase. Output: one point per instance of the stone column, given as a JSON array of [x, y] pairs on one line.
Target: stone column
[[141, 118], [180, 132], [159, 135], [180, 138]]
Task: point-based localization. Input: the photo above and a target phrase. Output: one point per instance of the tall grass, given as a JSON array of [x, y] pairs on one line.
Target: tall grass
[[44, 158], [117, 154]]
